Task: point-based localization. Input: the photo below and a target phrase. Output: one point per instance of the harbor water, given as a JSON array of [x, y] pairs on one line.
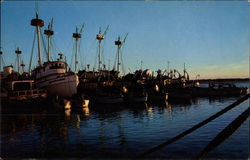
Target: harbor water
[[125, 131]]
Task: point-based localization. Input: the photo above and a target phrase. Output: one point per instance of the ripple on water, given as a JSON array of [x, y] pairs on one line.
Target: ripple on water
[[125, 131]]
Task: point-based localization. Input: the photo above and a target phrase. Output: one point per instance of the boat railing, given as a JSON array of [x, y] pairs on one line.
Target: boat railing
[[27, 92]]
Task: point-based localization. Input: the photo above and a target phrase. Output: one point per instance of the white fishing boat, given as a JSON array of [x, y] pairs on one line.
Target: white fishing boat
[[53, 75], [55, 79]]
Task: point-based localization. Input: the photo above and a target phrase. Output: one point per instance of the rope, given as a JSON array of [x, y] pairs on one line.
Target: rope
[[32, 52], [81, 59], [2, 63], [96, 57], [15, 63], [54, 48], [242, 99], [122, 62], [225, 133], [115, 62], [102, 55], [72, 57], [44, 47]]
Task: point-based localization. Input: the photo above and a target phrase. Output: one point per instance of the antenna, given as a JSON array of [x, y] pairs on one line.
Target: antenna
[[36, 6]]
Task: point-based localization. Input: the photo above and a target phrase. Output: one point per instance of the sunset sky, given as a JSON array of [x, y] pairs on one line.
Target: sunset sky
[[212, 38]]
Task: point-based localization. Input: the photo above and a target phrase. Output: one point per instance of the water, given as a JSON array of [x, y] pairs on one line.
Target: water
[[124, 131]]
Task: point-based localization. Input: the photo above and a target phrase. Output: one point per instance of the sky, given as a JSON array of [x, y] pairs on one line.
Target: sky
[[211, 38]]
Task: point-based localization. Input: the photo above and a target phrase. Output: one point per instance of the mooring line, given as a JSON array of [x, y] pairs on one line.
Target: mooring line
[[240, 100], [225, 133]]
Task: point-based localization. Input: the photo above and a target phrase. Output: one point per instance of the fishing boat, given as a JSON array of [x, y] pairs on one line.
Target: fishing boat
[[61, 103], [79, 101], [156, 92], [23, 93], [106, 99], [53, 75], [219, 89], [105, 94], [135, 93], [134, 97], [180, 94], [24, 90]]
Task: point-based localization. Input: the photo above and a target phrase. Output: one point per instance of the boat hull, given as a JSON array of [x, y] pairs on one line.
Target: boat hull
[[106, 100], [136, 99], [158, 97], [64, 87]]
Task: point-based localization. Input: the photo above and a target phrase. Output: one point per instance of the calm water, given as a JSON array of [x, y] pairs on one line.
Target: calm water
[[124, 131]]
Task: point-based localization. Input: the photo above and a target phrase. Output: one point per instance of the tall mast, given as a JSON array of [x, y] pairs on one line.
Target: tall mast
[[168, 67], [88, 65], [170, 72], [49, 32], [22, 65], [184, 70], [141, 64], [119, 44], [100, 37], [1, 60], [77, 35], [38, 23], [18, 52]]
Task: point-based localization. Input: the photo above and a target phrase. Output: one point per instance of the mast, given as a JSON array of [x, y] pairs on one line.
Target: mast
[[18, 52], [100, 37], [119, 44], [186, 75], [168, 68], [22, 65], [1, 60], [141, 64], [184, 71], [99, 50], [88, 65], [49, 32], [77, 35], [38, 23]]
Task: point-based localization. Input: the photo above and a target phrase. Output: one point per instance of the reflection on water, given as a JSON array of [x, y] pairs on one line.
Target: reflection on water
[[124, 130]]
